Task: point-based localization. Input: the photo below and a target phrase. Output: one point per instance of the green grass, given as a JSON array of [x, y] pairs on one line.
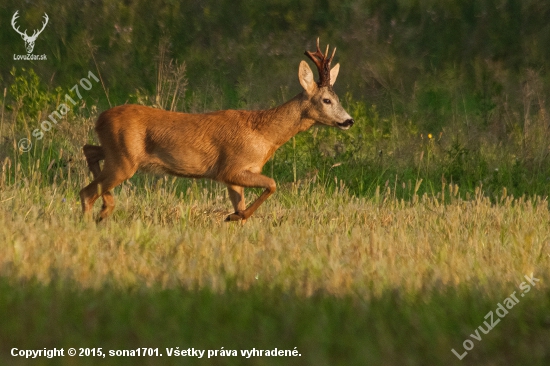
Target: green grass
[[390, 329]]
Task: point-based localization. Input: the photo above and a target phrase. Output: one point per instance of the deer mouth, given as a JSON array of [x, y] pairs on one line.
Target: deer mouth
[[346, 124]]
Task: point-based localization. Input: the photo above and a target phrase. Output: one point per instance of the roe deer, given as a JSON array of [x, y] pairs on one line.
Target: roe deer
[[228, 146]]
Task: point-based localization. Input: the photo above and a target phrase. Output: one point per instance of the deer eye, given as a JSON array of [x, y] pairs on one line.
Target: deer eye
[[326, 101]]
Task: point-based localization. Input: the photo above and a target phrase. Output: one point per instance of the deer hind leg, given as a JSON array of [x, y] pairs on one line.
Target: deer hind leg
[[236, 195], [253, 180], [110, 177], [101, 187], [94, 154]]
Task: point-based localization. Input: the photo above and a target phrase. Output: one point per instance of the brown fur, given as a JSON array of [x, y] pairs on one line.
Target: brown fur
[[227, 146]]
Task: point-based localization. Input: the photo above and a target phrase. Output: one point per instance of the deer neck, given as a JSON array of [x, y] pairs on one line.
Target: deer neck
[[280, 124]]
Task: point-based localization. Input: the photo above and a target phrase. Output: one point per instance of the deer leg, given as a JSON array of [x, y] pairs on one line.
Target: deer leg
[[90, 193], [253, 180], [101, 186], [236, 195], [108, 205], [94, 154]]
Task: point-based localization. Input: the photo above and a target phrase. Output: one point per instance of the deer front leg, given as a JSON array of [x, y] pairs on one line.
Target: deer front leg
[[252, 180]]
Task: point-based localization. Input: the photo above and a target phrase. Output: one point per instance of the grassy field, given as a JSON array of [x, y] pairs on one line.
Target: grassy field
[[345, 280]]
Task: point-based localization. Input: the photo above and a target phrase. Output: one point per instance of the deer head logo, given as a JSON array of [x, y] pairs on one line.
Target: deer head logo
[[29, 40]]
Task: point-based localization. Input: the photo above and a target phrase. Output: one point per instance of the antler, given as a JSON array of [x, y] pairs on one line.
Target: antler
[[44, 23], [16, 28], [322, 63]]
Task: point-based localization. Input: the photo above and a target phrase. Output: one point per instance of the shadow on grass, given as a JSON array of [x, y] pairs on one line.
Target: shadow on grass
[[390, 329]]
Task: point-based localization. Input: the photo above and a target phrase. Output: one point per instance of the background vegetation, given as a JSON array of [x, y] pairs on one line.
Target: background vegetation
[[414, 223], [471, 74]]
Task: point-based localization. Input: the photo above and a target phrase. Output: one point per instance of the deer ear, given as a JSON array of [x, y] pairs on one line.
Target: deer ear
[[334, 74], [306, 78]]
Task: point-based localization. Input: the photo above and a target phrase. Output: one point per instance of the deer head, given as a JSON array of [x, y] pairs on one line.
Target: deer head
[[29, 40], [325, 107]]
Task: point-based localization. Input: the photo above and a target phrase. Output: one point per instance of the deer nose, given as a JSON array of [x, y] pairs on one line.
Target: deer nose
[[349, 122], [346, 124]]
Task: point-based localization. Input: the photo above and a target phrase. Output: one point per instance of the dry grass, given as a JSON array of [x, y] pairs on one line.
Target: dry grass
[[302, 240]]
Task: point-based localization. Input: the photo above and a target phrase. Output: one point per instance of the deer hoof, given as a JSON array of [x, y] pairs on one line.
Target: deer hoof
[[237, 216]]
